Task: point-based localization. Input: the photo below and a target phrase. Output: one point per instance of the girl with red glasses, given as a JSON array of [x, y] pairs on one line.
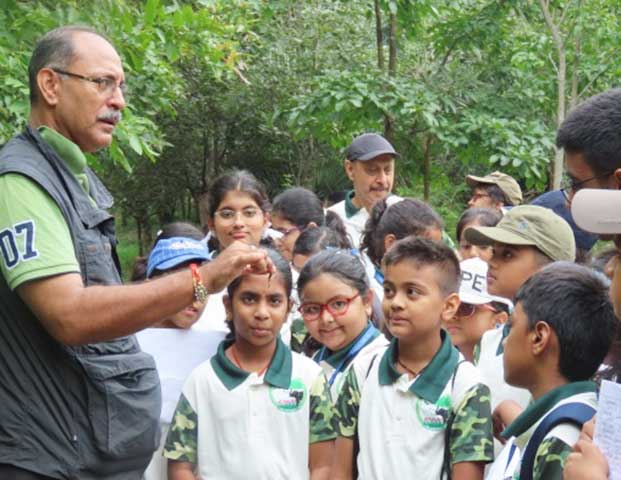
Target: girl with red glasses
[[336, 306]]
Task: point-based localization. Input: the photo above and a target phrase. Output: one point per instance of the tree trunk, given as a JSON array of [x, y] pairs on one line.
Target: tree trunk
[[427, 168], [379, 36], [557, 172], [389, 127], [561, 76]]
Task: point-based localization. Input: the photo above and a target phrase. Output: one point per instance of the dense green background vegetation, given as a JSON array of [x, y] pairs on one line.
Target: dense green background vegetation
[[280, 88]]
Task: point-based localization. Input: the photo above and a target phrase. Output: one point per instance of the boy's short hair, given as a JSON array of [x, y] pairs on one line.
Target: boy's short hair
[[593, 128], [574, 301], [426, 252], [529, 225]]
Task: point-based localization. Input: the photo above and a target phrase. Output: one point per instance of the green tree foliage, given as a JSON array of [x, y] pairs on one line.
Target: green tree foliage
[[280, 87]]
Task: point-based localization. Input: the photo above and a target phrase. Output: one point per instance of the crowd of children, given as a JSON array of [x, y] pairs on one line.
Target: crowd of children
[[392, 359]]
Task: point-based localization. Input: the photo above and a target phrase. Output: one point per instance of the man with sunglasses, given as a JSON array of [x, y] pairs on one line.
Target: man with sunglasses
[[79, 398]]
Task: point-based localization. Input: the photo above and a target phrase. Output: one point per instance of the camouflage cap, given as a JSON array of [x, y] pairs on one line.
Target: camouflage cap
[[529, 225], [505, 182]]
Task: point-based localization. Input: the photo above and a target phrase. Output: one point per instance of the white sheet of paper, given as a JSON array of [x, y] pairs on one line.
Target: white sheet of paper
[[506, 462], [608, 426], [176, 353]]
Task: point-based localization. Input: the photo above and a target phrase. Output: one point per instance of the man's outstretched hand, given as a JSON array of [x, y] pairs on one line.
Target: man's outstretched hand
[[237, 259]]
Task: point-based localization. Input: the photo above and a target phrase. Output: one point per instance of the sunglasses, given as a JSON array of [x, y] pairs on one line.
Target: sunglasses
[[466, 310]]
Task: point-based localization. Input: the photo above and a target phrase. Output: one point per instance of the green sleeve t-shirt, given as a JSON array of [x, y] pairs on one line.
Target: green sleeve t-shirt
[[35, 241]]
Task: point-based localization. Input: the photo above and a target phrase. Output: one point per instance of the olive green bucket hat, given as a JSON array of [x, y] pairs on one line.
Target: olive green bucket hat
[[509, 186], [529, 225]]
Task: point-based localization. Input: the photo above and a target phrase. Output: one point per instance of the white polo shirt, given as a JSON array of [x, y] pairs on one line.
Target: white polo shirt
[[236, 425], [401, 422], [335, 365], [353, 217], [490, 363], [558, 442]]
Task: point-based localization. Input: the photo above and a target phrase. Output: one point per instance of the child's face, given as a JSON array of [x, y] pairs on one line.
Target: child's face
[[258, 308], [335, 331], [469, 324], [517, 358], [299, 260], [290, 234], [467, 250], [414, 305], [509, 267], [238, 218], [185, 318]]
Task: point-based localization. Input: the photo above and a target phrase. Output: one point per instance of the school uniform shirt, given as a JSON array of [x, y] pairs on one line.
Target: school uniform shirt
[[353, 217], [557, 444], [335, 365], [489, 360], [401, 423], [237, 425]]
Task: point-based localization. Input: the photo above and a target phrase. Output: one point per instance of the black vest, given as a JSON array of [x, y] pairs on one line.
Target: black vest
[[87, 412]]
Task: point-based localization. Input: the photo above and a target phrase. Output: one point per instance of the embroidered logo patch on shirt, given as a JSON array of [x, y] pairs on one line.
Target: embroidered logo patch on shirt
[[289, 399], [433, 416]]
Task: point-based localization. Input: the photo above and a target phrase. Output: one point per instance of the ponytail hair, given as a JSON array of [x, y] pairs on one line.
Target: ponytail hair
[[401, 218]]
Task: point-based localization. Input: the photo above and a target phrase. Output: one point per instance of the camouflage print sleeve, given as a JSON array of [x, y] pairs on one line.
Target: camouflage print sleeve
[[550, 459], [322, 414], [182, 440], [298, 335], [347, 406], [471, 436]]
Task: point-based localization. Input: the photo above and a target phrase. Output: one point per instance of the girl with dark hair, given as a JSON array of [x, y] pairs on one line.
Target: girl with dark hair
[[392, 219], [476, 217], [296, 210], [255, 408], [237, 206], [313, 240], [336, 306], [310, 242]]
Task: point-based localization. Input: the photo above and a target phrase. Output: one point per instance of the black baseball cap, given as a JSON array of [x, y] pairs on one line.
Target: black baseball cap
[[368, 146]]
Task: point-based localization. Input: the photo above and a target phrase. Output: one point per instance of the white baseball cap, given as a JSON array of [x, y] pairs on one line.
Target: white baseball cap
[[473, 286]]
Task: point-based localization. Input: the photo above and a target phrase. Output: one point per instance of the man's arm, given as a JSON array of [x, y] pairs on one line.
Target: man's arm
[[74, 314]]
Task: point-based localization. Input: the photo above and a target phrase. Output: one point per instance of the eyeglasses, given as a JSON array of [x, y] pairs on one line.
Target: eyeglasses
[[286, 231], [466, 310], [571, 185], [337, 307], [228, 214], [105, 85]]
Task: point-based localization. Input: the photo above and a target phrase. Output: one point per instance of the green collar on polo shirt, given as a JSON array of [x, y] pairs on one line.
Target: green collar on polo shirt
[[335, 358], [537, 409], [278, 373], [430, 384], [350, 208]]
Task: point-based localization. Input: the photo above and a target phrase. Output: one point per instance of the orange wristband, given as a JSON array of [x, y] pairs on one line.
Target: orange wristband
[[200, 291]]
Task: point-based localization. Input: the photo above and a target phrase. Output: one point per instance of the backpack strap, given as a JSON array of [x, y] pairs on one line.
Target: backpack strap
[[446, 462], [574, 413]]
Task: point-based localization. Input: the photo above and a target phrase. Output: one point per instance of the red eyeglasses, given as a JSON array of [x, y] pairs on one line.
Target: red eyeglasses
[[336, 307], [466, 310]]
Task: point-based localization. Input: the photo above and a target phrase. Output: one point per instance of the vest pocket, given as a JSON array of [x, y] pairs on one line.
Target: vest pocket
[[124, 403]]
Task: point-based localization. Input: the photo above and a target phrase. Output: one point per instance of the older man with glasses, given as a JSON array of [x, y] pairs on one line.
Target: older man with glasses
[[78, 397]]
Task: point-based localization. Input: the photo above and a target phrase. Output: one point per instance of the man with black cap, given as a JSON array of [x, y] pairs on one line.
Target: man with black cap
[[370, 165]]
